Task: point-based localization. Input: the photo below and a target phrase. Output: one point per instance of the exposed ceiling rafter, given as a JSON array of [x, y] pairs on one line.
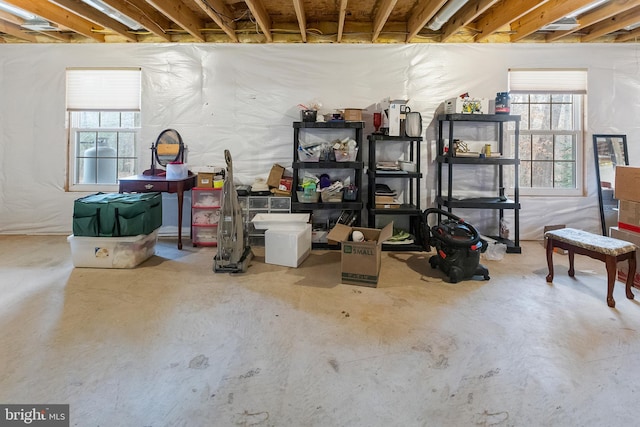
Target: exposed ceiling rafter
[[80, 8]]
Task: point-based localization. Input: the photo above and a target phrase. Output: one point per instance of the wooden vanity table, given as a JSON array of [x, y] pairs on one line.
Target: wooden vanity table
[[160, 183]]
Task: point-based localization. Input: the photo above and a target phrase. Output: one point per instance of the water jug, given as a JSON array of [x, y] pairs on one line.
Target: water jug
[[413, 124]]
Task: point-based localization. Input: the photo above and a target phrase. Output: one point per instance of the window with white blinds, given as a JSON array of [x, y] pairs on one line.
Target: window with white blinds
[[103, 107], [550, 104]]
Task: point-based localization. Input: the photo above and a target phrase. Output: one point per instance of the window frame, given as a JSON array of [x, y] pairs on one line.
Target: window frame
[[73, 156], [579, 100]]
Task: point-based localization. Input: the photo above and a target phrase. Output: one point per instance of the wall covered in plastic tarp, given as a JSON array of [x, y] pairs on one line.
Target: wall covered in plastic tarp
[[244, 98]]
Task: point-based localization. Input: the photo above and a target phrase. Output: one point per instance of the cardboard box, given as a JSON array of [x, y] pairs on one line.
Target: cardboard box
[[466, 106], [275, 176], [352, 114], [623, 266], [629, 215], [626, 184], [360, 261], [205, 180]]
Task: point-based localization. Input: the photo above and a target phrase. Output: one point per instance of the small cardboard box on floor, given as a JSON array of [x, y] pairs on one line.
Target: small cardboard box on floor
[[361, 261]]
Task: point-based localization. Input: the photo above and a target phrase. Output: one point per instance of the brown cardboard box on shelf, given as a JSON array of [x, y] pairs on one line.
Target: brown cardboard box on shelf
[[626, 186], [205, 180], [352, 115], [361, 261], [623, 266], [275, 176]]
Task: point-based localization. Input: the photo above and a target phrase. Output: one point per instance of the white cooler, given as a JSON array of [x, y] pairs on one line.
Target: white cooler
[[287, 238]]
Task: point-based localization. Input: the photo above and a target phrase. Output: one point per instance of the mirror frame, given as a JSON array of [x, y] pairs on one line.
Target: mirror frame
[[164, 161], [603, 148]]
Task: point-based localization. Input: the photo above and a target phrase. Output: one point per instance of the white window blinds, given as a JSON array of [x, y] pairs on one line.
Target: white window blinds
[[529, 80], [103, 89]]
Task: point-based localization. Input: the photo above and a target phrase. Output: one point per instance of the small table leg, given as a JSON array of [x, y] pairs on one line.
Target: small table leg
[[572, 270], [610, 262], [631, 275], [550, 259], [180, 201]]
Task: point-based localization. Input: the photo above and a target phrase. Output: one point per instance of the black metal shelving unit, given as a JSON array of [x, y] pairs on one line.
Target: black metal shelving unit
[[449, 201], [411, 205], [351, 129]]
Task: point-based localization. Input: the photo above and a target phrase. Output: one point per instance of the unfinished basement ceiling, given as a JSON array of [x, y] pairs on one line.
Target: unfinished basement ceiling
[[319, 21]]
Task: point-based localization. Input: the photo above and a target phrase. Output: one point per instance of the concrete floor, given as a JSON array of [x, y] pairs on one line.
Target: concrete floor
[[171, 343]]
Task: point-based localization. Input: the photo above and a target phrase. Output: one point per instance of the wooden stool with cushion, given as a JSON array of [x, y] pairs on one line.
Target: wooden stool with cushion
[[604, 248]]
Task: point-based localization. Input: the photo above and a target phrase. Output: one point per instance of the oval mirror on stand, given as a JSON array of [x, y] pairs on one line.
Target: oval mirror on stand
[[167, 148], [609, 151]]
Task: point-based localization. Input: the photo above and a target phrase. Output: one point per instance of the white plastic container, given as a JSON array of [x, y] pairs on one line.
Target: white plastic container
[[281, 221], [112, 252], [177, 171], [287, 247]]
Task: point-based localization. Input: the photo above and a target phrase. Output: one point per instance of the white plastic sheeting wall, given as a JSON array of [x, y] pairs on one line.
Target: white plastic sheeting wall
[[245, 97]]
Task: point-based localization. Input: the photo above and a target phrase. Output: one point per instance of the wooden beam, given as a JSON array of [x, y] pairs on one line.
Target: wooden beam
[[62, 17], [179, 13], [260, 13], [16, 31], [298, 5], [218, 11], [465, 16], [56, 35], [612, 24], [593, 17], [5, 16], [424, 11], [94, 15], [633, 35], [341, 19], [143, 13], [504, 12], [384, 10], [548, 13]]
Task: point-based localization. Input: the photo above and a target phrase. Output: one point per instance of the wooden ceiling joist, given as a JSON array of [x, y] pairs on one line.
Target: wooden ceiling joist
[[425, 10], [298, 5], [464, 17], [178, 12], [615, 23], [218, 11], [593, 17], [384, 10], [16, 31], [60, 16], [342, 16], [144, 14], [260, 13], [82, 9], [504, 12], [547, 13]]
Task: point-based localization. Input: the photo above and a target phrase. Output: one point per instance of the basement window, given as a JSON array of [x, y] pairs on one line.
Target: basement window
[[551, 146], [103, 116]]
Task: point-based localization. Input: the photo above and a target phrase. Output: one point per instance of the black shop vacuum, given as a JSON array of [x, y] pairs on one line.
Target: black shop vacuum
[[458, 246]]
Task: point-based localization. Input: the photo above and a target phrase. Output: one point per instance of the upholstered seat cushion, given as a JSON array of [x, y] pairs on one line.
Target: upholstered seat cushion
[[594, 242]]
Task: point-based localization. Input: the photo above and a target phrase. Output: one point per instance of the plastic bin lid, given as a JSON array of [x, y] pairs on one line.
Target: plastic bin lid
[[282, 221]]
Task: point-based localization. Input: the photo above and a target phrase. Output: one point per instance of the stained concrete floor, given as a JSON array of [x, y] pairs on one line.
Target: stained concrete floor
[[171, 343]]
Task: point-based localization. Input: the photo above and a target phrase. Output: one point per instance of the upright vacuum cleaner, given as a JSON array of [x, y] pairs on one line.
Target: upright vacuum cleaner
[[458, 246], [233, 255]]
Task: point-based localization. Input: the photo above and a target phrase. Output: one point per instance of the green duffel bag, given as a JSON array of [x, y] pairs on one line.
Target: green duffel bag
[[117, 214]]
